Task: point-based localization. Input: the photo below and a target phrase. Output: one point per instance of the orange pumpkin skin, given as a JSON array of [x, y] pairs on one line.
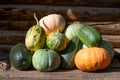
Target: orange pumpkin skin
[[52, 22], [92, 59]]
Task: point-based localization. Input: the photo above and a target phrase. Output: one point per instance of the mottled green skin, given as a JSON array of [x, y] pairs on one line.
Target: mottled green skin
[[73, 30], [46, 60], [57, 41], [20, 57], [90, 36], [67, 55], [35, 38]]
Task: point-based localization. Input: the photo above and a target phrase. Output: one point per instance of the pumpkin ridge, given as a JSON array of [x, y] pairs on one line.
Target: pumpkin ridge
[[46, 25]]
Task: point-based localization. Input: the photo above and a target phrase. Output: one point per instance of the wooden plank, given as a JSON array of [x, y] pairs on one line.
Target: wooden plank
[[97, 3], [25, 12], [106, 28], [109, 74], [12, 37], [16, 25], [114, 39]]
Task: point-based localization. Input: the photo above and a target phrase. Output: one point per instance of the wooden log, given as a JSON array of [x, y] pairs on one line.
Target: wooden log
[[12, 37], [16, 25], [97, 3], [25, 12], [114, 39], [106, 28]]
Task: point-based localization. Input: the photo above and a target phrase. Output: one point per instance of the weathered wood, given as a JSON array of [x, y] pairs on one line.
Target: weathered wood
[[25, 12], [12, 37], [107, 28], [16, 25], [108, 74], [114, 39], [97, 3]]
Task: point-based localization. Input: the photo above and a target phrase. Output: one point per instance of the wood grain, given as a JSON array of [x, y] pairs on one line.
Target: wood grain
[[70, 13], [97, 3], [114, 39]]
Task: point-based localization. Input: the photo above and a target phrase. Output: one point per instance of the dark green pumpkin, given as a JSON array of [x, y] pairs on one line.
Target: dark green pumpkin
[[57, 41], [109, 47], [67, 55], [35, 37], [90, 36], [46, 60], [20, 57]]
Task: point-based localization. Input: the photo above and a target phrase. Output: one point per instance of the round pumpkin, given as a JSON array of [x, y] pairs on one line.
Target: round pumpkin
[[20, 57], [57, 41], [52, 22], [35, 37], [92, 59], [73, 30], [46, 60]]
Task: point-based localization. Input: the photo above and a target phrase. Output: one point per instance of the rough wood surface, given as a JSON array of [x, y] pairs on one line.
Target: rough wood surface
[[114, 39], [25, 12], [103, 3]]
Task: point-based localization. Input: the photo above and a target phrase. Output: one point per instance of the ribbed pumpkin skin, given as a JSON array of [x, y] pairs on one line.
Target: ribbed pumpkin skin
[[90, 36], [57, 41], [92, 59], [67, 55], [35, 38], [108, 46], [46, 60], [52, 22], [73, 30], [20, 57]]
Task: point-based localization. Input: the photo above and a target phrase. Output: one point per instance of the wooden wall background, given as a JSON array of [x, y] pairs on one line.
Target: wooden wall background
[[16, 17]]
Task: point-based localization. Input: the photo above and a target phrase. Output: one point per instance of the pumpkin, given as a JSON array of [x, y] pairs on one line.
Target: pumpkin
[[109, 47], [56, 41], [68, 54], [90, 36], [106, 45], [52, 22], [92, 59], [35, 37], [46, 60], [73, 30], [20, 57]]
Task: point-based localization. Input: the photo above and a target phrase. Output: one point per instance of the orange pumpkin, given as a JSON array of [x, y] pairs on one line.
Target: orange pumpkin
[[92, 59], [52, 22]]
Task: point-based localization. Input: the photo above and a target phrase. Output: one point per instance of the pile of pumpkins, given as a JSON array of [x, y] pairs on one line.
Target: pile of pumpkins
[[51, 45]]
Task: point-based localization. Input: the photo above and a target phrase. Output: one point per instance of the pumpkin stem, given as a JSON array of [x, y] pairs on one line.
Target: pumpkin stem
[[36, 19]]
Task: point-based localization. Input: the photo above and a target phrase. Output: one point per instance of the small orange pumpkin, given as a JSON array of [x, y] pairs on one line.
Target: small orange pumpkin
[[92, 59], [52, 22]]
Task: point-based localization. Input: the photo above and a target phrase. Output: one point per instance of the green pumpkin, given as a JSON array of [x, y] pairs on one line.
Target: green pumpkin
[[67, 55], [46, 60], [109, 47], [35, 37], [73, 30], [20, 57], [90, 36], [57, 41]]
